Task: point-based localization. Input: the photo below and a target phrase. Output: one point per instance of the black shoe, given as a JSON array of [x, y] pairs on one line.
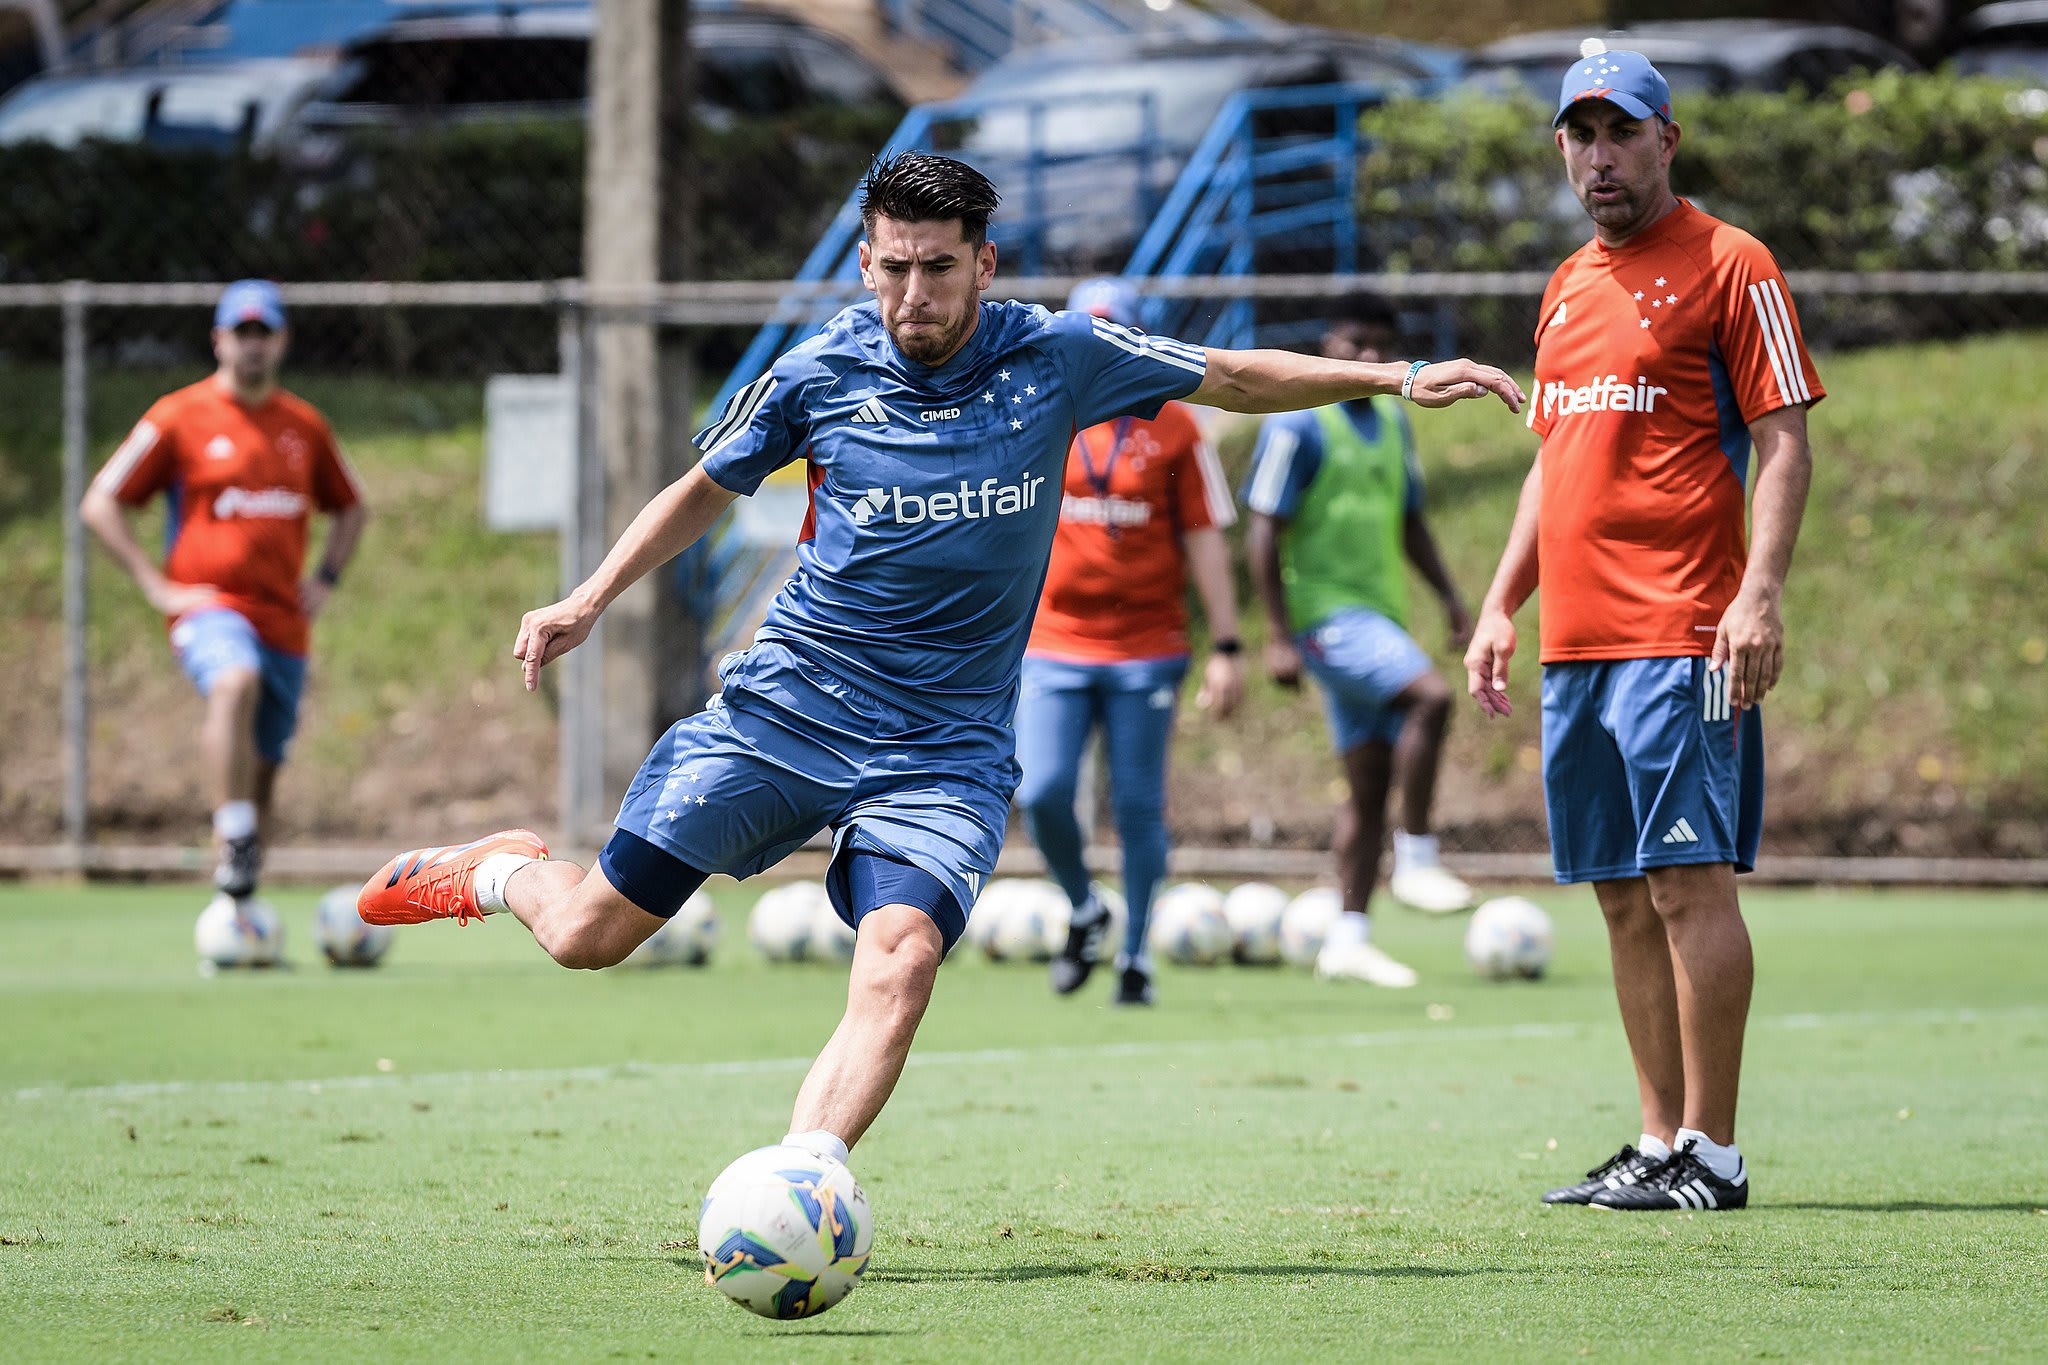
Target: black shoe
[[1625, 1167], [1076, 961], [1683, 1182], [1133, 987], [240, 860]]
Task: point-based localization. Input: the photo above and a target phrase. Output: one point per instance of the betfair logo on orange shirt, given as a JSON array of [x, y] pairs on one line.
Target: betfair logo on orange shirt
[[1611, 394], [1109, 511], [266, 504]]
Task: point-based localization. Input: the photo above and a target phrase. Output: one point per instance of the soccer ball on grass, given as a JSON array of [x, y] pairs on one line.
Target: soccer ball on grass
[[237, 933], [784, 1232], [344, 936], [1508, 937]]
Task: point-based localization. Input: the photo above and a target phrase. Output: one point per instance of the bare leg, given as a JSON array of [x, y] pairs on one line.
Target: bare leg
[[1649, 1003], [1426, 708], [1713, 969], [895, 963], [579, 917], [227, 737], [1362, 822]]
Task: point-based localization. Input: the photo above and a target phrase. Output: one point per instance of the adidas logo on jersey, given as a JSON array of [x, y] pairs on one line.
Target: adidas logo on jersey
[[1681, 833], [1611, 394], [968, 502], [871, 413]]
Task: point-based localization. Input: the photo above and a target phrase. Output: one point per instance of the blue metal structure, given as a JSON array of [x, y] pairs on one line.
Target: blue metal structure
[[978, 33]]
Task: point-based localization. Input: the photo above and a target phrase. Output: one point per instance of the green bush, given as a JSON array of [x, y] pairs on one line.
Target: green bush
[[1882, 172]]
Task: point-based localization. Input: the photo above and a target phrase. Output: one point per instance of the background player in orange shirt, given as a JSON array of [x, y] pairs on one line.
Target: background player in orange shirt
[[1144, 507], [1667, 350], [244, 465]]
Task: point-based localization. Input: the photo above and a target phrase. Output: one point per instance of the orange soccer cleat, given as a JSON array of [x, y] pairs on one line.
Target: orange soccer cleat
[[438, 883]]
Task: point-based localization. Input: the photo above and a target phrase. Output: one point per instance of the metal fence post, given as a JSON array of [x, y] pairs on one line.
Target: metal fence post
[[580, 736], [76, 738]]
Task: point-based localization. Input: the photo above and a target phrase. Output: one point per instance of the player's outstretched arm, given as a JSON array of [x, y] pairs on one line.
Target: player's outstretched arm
[[667, 526], [1281, 381], [1493, 635]]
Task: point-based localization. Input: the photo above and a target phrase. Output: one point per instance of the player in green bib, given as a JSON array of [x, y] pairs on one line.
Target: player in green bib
[[1337, 515]]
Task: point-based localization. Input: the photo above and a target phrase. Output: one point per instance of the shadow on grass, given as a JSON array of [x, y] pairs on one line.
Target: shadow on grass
[[1906, 1206], [1168, 1275]]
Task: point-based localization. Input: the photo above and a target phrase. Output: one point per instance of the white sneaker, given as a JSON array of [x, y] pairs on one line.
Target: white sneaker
[[1363, 962], [1431, 890]]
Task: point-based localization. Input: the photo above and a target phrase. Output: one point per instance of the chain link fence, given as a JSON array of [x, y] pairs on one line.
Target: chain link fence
[[1908, 725]]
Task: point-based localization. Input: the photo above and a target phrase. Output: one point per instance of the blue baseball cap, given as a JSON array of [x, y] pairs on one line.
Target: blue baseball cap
[[1625, 79], [1106, 296], [250, 301]]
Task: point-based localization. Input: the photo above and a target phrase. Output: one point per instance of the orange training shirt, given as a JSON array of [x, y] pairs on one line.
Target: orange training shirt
[[1116, 588], [243, 484], [1651, 360]]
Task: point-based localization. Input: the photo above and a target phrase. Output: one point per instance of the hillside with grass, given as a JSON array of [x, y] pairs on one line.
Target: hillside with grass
[[1913, 716]]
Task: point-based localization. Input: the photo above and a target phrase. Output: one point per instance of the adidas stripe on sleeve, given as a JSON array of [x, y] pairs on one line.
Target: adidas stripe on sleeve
[[1117, 371]]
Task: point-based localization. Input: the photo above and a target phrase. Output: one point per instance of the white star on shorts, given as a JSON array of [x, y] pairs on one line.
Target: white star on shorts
[[1005, 375]]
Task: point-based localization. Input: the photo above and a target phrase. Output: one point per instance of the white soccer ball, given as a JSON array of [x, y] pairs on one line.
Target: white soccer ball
[[784, 921], [1188, 927], [687, 939], [1306, 922], [344, 936], [784, 1232], [1028, 913], [238, 933], [831, 936], [1509, 936], [1254, 910]]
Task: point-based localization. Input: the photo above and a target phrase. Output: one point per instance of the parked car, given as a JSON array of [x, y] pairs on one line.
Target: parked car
[[536, 63], [1086, 139], [2008, 39], [220, 104], [1698, 55]]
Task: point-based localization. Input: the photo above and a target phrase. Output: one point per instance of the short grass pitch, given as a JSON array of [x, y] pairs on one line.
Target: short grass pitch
[[469, 1153]]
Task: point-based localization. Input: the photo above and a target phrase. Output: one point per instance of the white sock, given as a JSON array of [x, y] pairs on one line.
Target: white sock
[[1348, 931], [1413, 851], [1725, 1162], [488, 882], [1653, 1147], [820, 1141], [235, 819]]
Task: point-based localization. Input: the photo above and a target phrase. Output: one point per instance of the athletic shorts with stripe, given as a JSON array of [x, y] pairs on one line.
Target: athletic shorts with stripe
[[1647, 764], [789, 748]]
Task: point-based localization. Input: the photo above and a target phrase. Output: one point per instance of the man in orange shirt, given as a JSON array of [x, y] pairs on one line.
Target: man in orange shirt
[[1144, 508], [1666, 351], [243, 465]]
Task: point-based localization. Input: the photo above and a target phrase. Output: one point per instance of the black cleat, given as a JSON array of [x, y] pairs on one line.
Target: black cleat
[[1683, 1182], [240, 860], [1625, 1167], [1075, 962], [1133, 987]]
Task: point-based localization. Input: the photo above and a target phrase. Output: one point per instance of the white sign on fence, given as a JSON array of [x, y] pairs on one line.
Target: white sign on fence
[[529, 451]]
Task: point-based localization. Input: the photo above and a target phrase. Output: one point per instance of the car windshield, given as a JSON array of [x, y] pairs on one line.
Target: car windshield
[[1100, 108]]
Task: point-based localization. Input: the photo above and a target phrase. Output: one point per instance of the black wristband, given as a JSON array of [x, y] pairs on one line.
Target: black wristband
[[328, 574], [1226, 647]]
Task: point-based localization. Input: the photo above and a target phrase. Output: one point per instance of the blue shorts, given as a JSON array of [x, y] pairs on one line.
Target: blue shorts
[[1361, 661], [789, 748], [1646, 764], [212, 642]]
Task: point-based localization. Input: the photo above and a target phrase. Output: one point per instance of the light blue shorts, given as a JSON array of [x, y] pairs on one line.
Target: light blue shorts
[[789, 748], [212, 642], [1646, 764], [1361, 661]]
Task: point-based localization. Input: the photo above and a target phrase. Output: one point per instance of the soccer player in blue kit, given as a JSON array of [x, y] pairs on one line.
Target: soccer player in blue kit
[[877, 696]]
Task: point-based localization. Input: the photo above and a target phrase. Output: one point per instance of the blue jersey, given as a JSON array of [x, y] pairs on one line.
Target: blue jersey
[[935, 491]]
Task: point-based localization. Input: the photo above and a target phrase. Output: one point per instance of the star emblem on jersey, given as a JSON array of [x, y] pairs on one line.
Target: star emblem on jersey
[[989, 397]]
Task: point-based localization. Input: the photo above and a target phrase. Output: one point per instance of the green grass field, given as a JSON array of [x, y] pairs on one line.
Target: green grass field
[[469, 1153]]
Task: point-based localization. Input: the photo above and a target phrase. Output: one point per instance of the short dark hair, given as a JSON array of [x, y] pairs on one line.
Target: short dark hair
[[1369, 310], [917, 187]]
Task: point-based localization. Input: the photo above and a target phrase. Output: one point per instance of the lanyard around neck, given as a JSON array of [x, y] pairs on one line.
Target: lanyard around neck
[[1100, 481]]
